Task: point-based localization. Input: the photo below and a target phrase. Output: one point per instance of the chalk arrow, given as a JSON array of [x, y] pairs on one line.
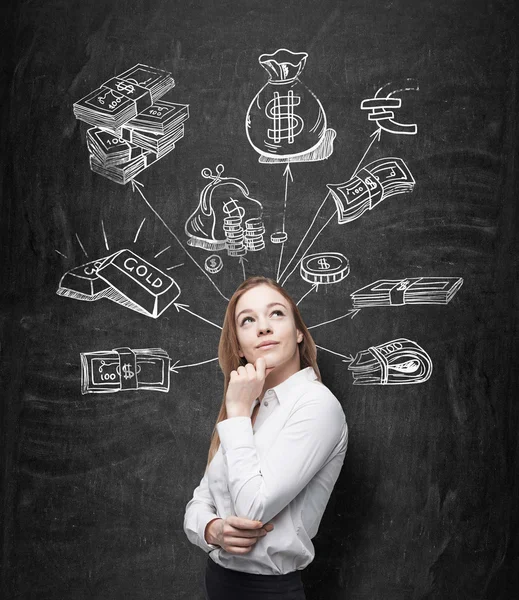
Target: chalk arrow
[[350, 313], [346, 357], [242, 261], [136, 186], [376, 138], [174, 368], [288, 172], [314, 287], [136, 183], [185, 307]]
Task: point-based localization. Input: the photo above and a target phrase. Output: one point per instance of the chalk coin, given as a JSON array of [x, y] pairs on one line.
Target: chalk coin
[[324, 267], [279, 237], [213, 264]]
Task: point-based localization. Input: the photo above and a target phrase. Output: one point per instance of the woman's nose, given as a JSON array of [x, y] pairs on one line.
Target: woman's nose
[[264, 328]]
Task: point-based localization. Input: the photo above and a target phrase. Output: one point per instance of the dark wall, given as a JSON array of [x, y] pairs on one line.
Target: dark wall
[[95, 485]]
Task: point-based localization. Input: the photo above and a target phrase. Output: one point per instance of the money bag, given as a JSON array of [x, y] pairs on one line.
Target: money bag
[[285, 119]]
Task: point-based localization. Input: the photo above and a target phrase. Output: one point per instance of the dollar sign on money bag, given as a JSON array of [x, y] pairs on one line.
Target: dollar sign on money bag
[[285, 119]]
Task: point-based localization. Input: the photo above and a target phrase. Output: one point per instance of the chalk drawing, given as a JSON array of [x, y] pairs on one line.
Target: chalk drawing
[[124, 278], [285, 121], [226, 218], [398, 362]]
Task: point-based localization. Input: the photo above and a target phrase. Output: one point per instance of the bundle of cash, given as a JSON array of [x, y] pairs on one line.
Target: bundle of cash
[[108, 149], [370, 185], [162, 117], [158, 143], [123, 97], [123, 154], [124, 278], [123, 369], [124, 172], [397, 362], [412, 290], [133, 127]]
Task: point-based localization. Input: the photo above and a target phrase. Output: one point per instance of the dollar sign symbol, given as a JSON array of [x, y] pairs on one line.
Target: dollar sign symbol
[[323, 263], [370, 183], [213, 262], [127, 370], [286, 124], [125, 87]]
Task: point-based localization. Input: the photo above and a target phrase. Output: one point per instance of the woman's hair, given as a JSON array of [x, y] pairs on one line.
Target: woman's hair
[[228, 349]]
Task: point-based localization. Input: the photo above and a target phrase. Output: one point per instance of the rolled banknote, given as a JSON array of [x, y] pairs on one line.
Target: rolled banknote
[[370, 185], [123, 369], [397, 362]]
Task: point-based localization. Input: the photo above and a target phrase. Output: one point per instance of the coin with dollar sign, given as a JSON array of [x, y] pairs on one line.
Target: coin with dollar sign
[[324, 268], [213, 264]]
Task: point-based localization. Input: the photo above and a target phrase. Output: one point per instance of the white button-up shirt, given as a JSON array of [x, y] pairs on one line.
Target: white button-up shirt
[[281, 470]]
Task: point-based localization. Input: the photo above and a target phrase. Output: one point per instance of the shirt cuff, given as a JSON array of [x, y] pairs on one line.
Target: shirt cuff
[[236, 432], [202, 523]]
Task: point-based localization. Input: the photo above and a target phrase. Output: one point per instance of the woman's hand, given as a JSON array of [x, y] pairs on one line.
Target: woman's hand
[[245, 385], [235, 534]]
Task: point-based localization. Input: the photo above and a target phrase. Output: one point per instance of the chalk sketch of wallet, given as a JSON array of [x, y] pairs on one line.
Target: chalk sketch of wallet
[[124, 278], [397, 362]]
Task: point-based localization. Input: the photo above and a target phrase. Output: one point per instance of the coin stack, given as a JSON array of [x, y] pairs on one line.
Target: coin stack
[[234, 236], [254, 231]]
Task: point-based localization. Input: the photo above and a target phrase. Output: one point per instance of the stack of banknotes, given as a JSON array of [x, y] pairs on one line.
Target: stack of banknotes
[[412, 290], [132, 126], [397, 362], [123, 369]]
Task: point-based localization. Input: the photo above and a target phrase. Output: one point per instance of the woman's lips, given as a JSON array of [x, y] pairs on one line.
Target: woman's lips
[[267, 346]]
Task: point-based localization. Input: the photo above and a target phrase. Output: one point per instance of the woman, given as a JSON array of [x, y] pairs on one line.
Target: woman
[[275, 454]]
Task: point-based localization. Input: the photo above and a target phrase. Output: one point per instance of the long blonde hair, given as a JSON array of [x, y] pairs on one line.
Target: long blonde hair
[[228, 349]]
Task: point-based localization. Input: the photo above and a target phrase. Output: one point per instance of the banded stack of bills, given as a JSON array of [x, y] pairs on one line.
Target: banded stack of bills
[[123, 97], [122, 155], [370, 185], [108, 149], [133, 127], [125, 172], [412, 290], [123, 369], [397, 362]]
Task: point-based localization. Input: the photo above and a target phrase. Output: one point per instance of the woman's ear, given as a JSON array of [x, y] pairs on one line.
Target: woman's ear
[[240, 353], [299, 337]]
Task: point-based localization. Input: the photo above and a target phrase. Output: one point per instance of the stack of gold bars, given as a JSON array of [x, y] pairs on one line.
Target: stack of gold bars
[[132, 126]]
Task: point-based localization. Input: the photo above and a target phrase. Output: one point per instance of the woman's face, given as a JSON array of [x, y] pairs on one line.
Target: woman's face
[[265, 327]]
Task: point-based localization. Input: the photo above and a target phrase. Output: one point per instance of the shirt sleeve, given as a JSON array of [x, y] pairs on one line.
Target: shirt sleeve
[[199, 511], [261, 488]]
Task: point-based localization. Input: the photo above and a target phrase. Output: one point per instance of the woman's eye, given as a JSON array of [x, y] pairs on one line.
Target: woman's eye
[[278, 312], [247, 319]]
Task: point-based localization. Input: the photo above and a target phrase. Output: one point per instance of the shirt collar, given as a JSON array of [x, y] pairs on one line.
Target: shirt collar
[[285, 388]]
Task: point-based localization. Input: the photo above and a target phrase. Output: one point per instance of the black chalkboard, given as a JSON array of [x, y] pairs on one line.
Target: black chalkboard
[[403, 196]]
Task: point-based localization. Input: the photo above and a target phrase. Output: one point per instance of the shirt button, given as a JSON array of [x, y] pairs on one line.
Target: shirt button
[[266, 403]]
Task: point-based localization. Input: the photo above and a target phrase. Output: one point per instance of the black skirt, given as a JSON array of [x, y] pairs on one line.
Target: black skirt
[[226, 584]]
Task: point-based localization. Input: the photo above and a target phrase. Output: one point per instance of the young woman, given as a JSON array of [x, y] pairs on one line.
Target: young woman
[[275, 454]]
